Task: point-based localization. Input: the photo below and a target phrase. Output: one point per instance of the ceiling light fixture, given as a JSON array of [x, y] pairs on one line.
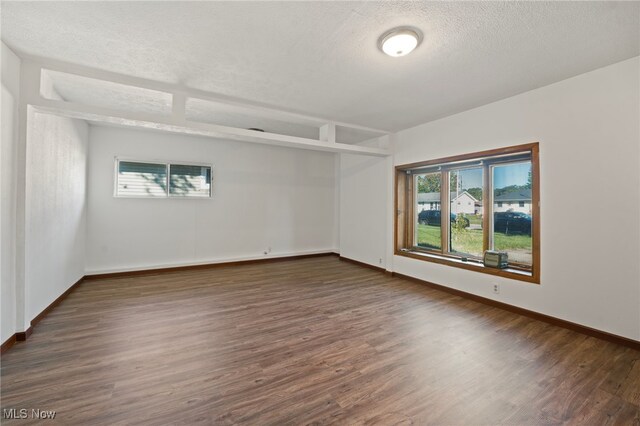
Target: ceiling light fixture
[[400, 41]]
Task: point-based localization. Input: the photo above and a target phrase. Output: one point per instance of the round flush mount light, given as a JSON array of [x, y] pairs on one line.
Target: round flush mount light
[[400, 41]]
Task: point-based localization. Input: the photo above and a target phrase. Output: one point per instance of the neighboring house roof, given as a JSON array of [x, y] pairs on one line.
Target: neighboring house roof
[[431, 197], [453, 196], [520, 195]]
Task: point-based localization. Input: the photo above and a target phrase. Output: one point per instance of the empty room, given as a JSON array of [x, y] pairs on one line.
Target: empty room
[[320, 212]]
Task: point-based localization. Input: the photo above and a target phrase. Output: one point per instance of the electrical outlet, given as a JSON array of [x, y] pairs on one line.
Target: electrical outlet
[[496, 288], [380, 261]]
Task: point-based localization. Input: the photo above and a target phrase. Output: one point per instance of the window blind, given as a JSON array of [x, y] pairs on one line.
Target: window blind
[[141, 179], [189, 181]]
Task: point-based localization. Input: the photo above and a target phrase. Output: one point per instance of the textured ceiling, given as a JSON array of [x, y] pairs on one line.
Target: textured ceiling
[[88, 91], [321, 57]]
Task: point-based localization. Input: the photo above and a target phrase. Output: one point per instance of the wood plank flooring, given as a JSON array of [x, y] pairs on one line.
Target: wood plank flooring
[[308, 341]]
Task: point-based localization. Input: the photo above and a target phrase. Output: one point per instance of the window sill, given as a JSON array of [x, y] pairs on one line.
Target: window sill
[[514, 274], [173, 197]]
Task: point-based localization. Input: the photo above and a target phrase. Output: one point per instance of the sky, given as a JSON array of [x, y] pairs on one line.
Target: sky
[[470, 178], [512, 174]]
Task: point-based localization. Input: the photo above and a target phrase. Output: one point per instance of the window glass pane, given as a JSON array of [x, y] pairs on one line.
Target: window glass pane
[[189, 181], [465, 224], [428, 211], [141, 179], [512, 211]]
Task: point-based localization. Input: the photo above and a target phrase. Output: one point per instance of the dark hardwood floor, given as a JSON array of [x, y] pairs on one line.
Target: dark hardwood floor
[[308, 341]]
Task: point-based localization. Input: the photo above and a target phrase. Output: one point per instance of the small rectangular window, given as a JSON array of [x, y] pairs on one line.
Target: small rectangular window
[[139, 179]]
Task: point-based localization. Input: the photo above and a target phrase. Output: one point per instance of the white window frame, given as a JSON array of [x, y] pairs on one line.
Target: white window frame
[[167, 164]]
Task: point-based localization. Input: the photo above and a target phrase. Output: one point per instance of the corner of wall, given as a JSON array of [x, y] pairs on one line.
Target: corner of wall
[[336, 207], [11, 66]]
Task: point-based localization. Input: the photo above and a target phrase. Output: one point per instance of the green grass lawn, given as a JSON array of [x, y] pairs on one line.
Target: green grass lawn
[[469, 241], [429, 236], [511, 242], [473, 219]]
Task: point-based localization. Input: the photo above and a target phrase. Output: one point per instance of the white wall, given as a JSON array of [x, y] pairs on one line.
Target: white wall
[[8, 171], [55, 224], [43, 205], [263, 196], [363, 208], [589, 133]]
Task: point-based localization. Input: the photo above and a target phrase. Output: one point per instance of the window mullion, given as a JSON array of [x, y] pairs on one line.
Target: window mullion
[[168, 178], [487, 210], [410, 208], [444, 211]]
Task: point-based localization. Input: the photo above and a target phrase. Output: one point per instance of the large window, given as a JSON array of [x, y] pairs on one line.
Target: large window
[[453, 209], [157, 180]]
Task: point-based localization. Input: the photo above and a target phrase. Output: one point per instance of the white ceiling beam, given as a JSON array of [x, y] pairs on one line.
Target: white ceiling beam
[[259, 109], [177, 121], [171, 124], [179, 107], [328, 133]]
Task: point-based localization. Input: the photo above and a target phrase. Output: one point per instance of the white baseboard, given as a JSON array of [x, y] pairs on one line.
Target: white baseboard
[[133, 268]]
